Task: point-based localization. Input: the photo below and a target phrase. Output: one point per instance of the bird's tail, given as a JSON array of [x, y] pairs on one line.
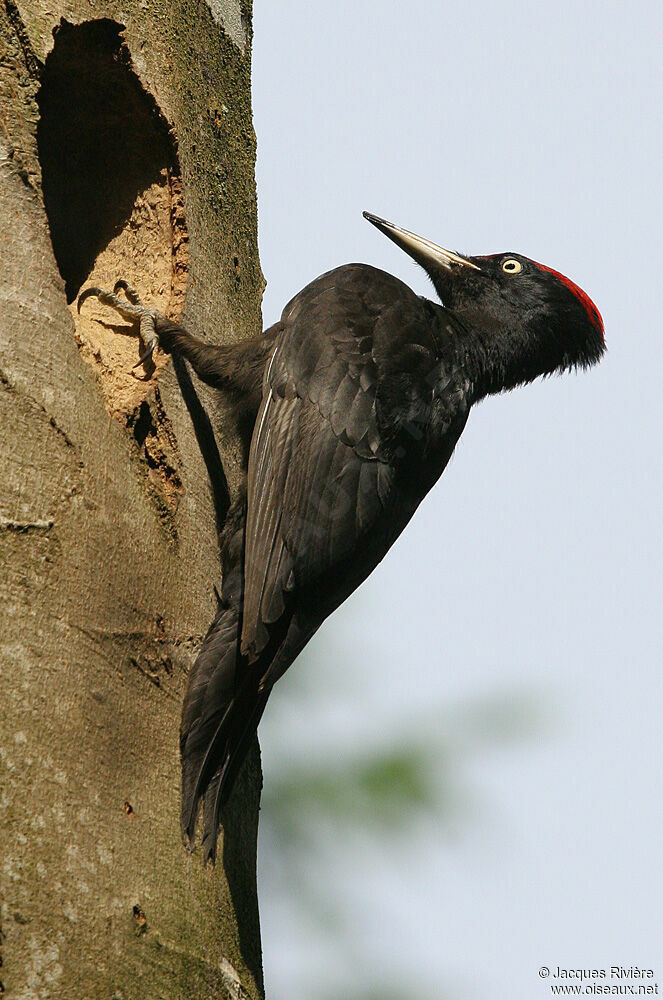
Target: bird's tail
[[225, 697], [220, 702], [207, 705], [240, 727], [223, 706]]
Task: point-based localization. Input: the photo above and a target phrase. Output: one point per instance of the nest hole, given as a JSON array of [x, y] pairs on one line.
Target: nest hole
[[102, 142]]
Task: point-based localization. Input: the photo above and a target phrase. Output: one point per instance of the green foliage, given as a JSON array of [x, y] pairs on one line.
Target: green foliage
[[385, 788], [326, 815]]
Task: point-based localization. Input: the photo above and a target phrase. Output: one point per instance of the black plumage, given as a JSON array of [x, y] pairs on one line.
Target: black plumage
[[355, 401]]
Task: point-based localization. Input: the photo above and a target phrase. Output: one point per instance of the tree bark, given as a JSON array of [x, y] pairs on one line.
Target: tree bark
[[126, 150]]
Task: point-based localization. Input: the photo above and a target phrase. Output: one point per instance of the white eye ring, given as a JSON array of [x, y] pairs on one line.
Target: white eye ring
[[512, 266]]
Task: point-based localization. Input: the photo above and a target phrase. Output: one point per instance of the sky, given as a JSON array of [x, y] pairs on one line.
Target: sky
[[528, 586]]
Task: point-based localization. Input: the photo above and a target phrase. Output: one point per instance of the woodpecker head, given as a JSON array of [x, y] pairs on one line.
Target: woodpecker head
[[526, 319]]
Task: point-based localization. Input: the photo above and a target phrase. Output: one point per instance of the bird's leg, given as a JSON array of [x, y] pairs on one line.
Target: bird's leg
[[132, 309], [236, 369], [209, 362]]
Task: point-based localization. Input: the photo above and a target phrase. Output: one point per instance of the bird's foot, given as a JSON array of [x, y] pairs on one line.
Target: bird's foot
[[132, 309]]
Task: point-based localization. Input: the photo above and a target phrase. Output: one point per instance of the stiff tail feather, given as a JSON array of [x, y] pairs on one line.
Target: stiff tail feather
[[210, 691], [221, 784], [219, 719]]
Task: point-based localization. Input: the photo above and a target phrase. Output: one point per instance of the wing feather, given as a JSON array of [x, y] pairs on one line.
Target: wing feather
[[271, 453], [320, 476]]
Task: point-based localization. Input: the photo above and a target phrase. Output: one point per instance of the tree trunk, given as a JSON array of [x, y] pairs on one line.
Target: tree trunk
[[126, 150]]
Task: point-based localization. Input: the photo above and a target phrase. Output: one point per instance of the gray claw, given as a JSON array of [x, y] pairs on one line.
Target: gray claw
[[144, 357], [86, 295], [127, 310], [132, 310], [128, 290]]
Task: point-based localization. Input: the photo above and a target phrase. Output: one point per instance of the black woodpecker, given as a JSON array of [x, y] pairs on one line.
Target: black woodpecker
[[356, 399]]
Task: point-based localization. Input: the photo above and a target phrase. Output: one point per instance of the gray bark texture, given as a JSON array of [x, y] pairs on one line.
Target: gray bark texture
[[126, 150]]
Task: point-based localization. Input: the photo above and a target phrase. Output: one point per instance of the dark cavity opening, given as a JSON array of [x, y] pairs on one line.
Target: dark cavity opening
[[102, 141], [142, 423]]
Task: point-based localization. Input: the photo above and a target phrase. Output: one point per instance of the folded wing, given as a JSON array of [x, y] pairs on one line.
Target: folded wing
[[320, 476]]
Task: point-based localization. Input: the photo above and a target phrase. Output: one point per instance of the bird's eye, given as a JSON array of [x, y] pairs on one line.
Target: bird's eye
[[512, 266]]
